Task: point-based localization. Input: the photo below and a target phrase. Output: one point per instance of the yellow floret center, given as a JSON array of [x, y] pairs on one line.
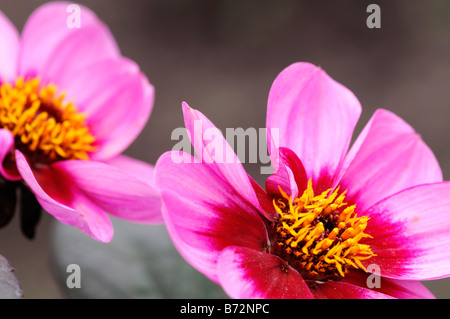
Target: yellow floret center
[[45, 128], [319, 235]]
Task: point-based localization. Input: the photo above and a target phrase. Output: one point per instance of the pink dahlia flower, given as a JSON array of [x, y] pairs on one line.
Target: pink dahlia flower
[[329, 216], [69, 105]]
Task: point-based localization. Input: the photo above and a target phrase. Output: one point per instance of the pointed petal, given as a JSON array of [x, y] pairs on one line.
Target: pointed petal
[[213, 149], [57, 196], [410, 232], [116, 192], [290, 174], [249, 274], [204, 213], [387, 157], [315, 116]]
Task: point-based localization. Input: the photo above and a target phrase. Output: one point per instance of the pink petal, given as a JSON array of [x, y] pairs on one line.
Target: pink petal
[[134, 167], [102, 76], [401, 289], [118, 105], [7, 167], [204, 213], [246, 273], [411, 233], [57, 195], [78, 50], [343, 290], [116, 192], [265, 202], [387, 157], [128, 108], [215, 151], [315, 116], [9, 49], [200, 259], [289, 175], [50, 48]]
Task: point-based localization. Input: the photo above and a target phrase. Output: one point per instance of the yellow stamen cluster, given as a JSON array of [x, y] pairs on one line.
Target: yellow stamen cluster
[[44, 127], [319, 235]]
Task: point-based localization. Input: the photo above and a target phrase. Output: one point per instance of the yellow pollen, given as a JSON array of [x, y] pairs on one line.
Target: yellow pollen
[[319, 235], [44, 127]]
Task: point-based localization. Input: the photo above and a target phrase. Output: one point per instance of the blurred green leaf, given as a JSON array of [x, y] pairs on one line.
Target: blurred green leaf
[[9, 285], [140, 262]]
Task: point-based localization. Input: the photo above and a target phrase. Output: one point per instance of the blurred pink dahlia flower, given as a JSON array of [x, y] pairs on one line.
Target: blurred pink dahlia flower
[[70, 103], [328, 213]]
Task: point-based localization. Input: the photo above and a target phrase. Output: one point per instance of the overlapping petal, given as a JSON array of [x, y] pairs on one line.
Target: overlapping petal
[[117, 104], [410, 232], [315, 117], [246, 273], [401, 289], [60, 198], [113, 190], [205, 212], [387, 157], [84, 193], [134, 167], [85, 64], [118, 100], [212, 149], [290, 175]]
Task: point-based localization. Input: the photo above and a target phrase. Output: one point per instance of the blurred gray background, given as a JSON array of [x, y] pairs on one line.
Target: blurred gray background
[[222, 56]]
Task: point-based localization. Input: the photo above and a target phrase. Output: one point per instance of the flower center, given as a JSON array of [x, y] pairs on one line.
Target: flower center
[[319, 235], [44, 127]]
